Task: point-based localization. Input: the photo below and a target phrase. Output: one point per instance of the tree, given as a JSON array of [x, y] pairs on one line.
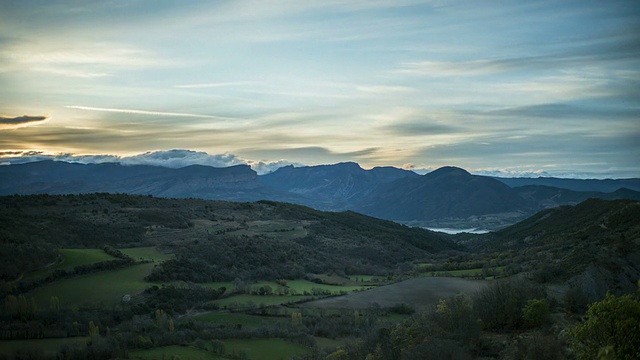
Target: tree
[[93, 329], [612, 326], [535, 312]]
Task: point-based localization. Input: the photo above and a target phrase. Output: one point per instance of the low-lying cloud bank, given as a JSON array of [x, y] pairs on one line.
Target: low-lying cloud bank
[[176, 158], [179, 158]]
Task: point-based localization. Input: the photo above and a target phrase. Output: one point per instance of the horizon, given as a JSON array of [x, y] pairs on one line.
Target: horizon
[[180, 158], [505, 88]]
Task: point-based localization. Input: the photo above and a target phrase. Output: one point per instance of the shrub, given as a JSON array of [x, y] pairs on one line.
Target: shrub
[[535, 312], [612, 326]]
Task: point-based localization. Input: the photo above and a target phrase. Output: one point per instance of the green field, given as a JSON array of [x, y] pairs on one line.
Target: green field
[[106, 287], [252, 348], [73, 258], [48, 347], [232, 319], [264, 348], [166, 352], [146, 253], [297, 287], [304, 285], [367, 278]]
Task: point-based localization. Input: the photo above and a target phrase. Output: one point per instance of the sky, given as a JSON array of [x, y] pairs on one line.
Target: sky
[[510, 88]]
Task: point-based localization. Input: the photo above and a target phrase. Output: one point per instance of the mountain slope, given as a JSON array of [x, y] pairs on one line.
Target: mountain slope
[[547, 196], [604, 185], [232, 183], [593, 246], [213, 240], [332, 187], [446, 193]]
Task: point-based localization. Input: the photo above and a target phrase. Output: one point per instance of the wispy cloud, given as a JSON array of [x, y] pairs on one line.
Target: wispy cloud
[[147, 112], [215, 85]]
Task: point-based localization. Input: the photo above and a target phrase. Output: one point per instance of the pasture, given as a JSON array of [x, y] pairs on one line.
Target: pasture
[[264, 348], [71, 259], [234, 348], [146, 253], [105, 287]]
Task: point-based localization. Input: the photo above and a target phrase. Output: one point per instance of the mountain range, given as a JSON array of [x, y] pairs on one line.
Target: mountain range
[[446, 197]]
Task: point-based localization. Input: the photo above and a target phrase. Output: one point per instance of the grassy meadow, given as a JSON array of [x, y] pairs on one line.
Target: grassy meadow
[[72, 258]]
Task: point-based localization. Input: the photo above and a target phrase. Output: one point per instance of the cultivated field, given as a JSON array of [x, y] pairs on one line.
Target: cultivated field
[[420, 293]]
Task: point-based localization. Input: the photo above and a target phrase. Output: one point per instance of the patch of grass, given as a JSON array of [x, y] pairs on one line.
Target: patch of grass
[[146, 253], [264, 348], [330, 343], [300, 286], [166, 352], [232, 319], [73, 258], [105, 287], [367, 278], [48, 347]]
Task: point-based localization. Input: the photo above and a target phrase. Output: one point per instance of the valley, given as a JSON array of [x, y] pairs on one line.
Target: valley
[[129, 276]]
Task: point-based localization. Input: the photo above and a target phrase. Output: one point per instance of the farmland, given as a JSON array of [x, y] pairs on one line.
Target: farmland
[[419, 293]]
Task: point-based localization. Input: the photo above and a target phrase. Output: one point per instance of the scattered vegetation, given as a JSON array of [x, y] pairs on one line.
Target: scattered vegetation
[[105, 276]]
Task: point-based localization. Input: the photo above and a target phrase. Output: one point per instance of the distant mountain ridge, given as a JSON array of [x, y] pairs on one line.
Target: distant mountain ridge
[[332, 187], [600, 185], [446, 197]]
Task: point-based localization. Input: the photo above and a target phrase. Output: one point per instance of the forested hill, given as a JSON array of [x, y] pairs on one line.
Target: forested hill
[[222, 240], [594, 246]]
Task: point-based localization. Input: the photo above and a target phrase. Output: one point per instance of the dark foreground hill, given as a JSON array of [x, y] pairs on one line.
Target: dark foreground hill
[[593, 247], [212, 240]]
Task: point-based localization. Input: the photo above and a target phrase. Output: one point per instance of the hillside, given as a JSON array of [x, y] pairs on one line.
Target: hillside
[[592, 247], [447, 194], [212, 240], [332, 187], [447, 197], [597, 185]]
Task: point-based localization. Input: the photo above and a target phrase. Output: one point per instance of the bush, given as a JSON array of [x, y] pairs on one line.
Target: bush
[[535, 312], [612, 326]]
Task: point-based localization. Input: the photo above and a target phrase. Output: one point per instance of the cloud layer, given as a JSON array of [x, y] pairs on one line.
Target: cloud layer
[[511, 86], [176, 158]]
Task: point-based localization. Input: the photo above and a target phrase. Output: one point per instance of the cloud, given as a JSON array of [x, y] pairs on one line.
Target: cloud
[[146, 112], [310, 154], [176, 158], [421, 128], [214, 85], [562, 110], [7, 122], [20, 119]]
